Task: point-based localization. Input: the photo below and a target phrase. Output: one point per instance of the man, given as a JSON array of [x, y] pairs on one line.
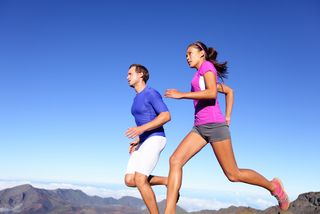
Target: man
[[150, 113]]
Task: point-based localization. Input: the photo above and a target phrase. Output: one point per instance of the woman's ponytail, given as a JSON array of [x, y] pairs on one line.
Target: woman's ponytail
[[211, 55]]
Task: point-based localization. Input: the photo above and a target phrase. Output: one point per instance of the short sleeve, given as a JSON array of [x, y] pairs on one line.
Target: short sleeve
[[157, 102], [207, 66]]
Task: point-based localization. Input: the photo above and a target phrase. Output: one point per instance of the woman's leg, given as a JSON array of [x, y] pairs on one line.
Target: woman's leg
[[189, 146], [224, 153]]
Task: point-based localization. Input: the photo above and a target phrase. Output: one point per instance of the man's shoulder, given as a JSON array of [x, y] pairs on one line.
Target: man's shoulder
[[152, 93], [151, 90]]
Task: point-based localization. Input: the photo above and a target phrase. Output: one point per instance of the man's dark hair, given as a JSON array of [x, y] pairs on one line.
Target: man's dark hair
[[143, 70]]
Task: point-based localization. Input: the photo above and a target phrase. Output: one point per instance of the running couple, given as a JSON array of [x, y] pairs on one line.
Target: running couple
[[210, 126]]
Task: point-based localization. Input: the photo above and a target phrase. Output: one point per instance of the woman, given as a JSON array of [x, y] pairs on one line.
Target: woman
[[210, 126]]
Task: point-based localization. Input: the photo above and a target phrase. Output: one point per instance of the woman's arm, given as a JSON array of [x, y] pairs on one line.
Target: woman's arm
[[209, 93], [229, 95]]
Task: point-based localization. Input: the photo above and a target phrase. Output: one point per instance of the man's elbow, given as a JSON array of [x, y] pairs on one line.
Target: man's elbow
[[167, 116]]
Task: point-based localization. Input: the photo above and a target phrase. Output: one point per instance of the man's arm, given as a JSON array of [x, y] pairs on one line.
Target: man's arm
[[158, 121], [133, 144]]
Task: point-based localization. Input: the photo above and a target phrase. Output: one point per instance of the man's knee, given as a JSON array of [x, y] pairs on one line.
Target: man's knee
[[140, 179], [129, 181]]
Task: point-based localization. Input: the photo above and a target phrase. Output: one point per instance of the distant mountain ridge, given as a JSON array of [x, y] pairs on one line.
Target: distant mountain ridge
[[25, 199]]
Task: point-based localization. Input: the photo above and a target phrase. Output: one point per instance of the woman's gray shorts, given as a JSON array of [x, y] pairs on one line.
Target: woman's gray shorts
[[213, 132]]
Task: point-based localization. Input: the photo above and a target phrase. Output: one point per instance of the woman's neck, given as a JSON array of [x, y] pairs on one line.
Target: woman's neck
[[200, 63]]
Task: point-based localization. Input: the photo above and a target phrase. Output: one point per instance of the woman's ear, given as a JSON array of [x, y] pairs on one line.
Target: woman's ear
[[202, 53]]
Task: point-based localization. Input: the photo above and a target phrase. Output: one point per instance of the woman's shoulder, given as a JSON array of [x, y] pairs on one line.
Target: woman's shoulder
[[206, 66]]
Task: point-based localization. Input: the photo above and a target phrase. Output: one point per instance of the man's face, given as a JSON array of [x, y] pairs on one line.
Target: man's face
[[133, 77]]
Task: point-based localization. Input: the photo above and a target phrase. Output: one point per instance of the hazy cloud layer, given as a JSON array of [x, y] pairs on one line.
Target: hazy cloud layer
[[190, 203]]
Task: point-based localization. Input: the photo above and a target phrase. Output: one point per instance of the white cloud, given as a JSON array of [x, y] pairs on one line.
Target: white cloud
[[191, 201], [10, 184], [196, 204], [88, 189], [264, 203]]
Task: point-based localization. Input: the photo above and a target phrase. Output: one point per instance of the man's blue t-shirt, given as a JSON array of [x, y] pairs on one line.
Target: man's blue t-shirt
[[147, 105]]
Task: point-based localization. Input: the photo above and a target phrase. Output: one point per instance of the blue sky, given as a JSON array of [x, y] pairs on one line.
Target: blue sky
[[65, 103]]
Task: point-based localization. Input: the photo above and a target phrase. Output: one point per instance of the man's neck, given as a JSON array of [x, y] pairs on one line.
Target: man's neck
[[139, 87]]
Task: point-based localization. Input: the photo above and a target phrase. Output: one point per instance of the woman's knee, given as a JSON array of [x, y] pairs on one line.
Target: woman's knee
[[233, 176], [175, 161], [130, 181]]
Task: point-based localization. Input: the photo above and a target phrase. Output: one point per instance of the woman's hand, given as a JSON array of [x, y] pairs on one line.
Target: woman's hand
[[173, 93], [228, 120]]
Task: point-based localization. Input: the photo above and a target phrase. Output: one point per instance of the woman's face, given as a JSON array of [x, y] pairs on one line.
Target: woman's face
[[195, 57]]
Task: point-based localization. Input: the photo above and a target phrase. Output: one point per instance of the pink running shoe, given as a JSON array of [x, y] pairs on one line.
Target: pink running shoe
[[280, 194]]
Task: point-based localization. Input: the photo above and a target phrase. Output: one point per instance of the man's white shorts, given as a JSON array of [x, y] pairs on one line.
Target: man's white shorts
[[146, 157]]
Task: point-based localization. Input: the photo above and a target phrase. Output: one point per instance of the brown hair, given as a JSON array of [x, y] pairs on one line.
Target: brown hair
[[143, 70], [211, 55]]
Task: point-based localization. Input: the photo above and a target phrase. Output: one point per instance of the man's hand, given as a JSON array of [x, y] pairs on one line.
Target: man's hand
[[134, 132], [133, 146]]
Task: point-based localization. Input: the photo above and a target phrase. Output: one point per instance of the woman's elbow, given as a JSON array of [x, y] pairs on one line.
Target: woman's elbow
[[231, 92], [212, 95]]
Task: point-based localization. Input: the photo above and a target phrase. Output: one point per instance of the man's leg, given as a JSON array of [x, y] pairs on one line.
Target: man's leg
[[146, 192], [129, 180], [152, 180], [157, 180], [149, 153], [131, 168]]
